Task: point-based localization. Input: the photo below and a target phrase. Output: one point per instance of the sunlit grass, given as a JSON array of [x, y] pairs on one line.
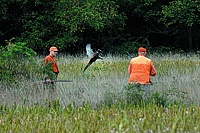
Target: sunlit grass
[[107, 119]]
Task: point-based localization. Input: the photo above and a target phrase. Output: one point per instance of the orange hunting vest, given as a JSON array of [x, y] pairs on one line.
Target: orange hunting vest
[[50, 59], [140, 70]]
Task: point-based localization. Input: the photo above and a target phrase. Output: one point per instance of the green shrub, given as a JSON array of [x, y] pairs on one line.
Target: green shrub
[[17, 63], [133, 94]]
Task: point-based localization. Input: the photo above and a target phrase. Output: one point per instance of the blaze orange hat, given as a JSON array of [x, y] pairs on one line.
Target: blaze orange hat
[[141, 49], [53, 48]]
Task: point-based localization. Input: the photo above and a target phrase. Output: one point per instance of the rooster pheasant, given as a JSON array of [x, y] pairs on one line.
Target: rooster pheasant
[[93, 56]]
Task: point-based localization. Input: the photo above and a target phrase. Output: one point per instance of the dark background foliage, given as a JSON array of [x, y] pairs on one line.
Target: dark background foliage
[[112, 25]]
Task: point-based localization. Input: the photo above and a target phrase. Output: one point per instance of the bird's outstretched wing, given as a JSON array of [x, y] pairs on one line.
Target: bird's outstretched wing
[[94, 57], [89, 51]]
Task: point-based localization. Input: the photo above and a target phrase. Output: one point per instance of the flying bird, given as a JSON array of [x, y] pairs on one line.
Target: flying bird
[[89, 50], [93, 56]]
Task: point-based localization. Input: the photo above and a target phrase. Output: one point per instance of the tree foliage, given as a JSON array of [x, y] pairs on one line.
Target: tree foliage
[[183, 12], [70, 24], [64, 23], [176, 20]]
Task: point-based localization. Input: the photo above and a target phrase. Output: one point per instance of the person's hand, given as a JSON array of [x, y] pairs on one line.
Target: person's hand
[[48, 80]]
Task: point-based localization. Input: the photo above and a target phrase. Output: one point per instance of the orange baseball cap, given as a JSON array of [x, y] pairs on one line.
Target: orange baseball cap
[[141, 49], [53, 48]]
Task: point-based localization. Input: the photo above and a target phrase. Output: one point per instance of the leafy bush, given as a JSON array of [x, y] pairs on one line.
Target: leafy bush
[[17, 63], [134, 95]]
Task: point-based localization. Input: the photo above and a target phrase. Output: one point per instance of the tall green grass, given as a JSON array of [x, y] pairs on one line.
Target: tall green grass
[[96, 100], [130, 119], [176, 79]]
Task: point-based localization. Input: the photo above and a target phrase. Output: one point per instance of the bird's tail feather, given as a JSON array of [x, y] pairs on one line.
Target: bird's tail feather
[[87, 66]]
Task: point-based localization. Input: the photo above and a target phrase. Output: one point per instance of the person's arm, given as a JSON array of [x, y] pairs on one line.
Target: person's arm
[[47, 67], [45, 61], [153, 70]]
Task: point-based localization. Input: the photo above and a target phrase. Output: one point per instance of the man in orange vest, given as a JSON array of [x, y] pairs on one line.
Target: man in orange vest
[[49, 59], [140, 70]]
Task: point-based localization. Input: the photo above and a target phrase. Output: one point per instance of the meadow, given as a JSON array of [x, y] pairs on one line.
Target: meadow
[[96, 100]]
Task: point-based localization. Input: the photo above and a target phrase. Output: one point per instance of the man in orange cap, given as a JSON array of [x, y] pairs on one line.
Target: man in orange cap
[[140, 69], [49, 59]]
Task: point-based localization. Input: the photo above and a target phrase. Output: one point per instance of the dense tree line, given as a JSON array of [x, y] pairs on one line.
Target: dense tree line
[[112, 25]]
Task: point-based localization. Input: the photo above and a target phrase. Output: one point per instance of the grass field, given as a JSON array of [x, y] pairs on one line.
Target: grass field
[[95, 100]]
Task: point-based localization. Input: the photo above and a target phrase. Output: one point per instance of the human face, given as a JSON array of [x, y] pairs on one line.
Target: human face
[[53, 53]]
